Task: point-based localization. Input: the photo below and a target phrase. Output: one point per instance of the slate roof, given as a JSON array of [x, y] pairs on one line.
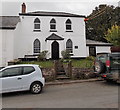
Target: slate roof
[[96, 43], [53, 36], [43, 13], [9, 22]]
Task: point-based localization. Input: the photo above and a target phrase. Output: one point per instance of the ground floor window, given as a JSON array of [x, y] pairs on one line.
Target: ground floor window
[[69, 45], [36, 46]]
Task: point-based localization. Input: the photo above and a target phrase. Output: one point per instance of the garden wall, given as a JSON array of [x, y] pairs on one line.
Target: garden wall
[[49, 74], [76, 73], [83, 73]]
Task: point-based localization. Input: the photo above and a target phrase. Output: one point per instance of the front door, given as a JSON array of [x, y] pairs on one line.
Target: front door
[[55, 50], [92, 51]]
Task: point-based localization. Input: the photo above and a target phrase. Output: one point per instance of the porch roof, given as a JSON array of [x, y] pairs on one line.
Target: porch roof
[[53, 36]]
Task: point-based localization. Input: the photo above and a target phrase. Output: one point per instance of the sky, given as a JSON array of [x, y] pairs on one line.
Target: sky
[[81, 7]]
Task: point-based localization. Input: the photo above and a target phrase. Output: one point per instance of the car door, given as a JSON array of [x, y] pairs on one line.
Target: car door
[[27, 77], [11, 79]]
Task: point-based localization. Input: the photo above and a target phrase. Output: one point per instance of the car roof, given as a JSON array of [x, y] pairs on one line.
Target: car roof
[[22, 65]]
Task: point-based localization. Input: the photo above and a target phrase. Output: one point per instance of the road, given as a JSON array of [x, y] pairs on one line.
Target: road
[[80, 95]]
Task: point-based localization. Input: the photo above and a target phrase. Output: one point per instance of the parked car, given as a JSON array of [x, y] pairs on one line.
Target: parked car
[[107, 66], [21, 78]]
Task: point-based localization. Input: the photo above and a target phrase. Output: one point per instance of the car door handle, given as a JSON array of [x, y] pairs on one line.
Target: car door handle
[[19, 78]]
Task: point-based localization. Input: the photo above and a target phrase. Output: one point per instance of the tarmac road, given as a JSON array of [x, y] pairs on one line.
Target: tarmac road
[[97, 94]]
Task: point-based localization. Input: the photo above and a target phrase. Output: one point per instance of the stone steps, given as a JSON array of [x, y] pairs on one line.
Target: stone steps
[[62, 77]]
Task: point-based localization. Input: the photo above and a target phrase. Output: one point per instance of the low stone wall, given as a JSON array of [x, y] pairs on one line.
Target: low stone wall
[[82, 73], [77, 73], [48, 73]]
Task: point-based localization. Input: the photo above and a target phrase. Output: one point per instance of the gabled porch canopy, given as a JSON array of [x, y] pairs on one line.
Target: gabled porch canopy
[[53, 36]]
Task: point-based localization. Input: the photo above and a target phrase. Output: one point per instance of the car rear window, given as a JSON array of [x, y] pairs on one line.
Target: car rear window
[[28, 70], [102, 58]]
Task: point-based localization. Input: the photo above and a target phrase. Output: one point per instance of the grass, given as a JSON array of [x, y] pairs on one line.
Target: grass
[[44, 64], [84, 63]]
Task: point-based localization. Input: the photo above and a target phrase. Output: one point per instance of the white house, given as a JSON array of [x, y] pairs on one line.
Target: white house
[[31, 33]]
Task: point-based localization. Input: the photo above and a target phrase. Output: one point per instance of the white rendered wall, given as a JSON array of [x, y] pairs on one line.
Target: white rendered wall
[[100, 49], [0, 48], [7, 46], [25, 36], [103, 49]]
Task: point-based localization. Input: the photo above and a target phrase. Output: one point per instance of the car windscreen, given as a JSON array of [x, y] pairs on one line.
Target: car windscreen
[[115, 62]]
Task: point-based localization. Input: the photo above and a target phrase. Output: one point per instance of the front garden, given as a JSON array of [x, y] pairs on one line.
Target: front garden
[[81, 63]]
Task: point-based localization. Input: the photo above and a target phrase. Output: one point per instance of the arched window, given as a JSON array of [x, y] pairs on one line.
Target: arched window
[[69, 45], [37, 24], [36, 46], [68, 24], [53, 24]]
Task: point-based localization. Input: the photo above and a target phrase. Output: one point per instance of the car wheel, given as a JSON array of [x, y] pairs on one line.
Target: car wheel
[[36, 88], [99, 67]]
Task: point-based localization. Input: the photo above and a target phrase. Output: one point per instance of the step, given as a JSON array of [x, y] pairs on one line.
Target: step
[[62, 77], [61, 73]]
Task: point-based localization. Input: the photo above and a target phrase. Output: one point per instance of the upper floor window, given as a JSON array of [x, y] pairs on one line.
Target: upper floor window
[[53, 24], [36, 46], [69, 45], [68, 25], [36, 24]]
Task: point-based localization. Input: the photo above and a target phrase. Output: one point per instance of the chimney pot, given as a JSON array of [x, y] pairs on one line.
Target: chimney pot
[[23, 8]]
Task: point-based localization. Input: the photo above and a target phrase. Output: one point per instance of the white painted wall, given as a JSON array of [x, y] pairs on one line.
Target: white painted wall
[[25, 36], [0, 48], [100, 49], [7, 46], [103, 49]]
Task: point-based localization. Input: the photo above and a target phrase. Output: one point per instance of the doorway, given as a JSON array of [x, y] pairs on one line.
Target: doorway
[[55, 50]]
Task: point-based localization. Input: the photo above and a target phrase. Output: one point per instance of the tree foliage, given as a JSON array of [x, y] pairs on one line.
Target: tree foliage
[[113, 35], [97, 26]]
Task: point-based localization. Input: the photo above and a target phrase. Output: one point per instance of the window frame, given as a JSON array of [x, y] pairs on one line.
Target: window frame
[[37, 22], [53, 24], [68, 25], [69, 48], [36, 47]]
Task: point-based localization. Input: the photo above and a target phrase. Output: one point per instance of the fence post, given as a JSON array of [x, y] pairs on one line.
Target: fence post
[[55, 69], [70, 68]]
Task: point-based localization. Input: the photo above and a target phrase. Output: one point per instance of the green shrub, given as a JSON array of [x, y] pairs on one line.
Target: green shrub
[[65, 54], [42, 56], [92, 58]]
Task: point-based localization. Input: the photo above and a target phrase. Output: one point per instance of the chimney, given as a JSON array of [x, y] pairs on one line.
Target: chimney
[[23, 8]]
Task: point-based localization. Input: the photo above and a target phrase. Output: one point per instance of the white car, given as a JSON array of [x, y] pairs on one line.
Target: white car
[[21, 78]]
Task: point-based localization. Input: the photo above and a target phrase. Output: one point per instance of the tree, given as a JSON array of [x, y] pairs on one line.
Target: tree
[[113, 35], [100, 20]]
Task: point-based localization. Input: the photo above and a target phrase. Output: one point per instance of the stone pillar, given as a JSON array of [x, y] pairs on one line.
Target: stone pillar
[[70, 69]]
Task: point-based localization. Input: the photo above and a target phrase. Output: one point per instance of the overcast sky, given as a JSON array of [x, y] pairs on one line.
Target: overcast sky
[[81, 7]]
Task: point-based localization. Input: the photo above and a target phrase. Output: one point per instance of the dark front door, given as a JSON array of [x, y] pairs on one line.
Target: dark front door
[[55, 50], [92, 51]]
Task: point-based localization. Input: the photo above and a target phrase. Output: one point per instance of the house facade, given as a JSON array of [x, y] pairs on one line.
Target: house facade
[[31, 33]]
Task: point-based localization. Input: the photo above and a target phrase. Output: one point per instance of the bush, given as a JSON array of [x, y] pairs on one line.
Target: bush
[[65, 54], [90, 58], [42, 56]]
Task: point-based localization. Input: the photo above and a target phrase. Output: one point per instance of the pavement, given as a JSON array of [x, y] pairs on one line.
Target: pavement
[[68, 81]]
